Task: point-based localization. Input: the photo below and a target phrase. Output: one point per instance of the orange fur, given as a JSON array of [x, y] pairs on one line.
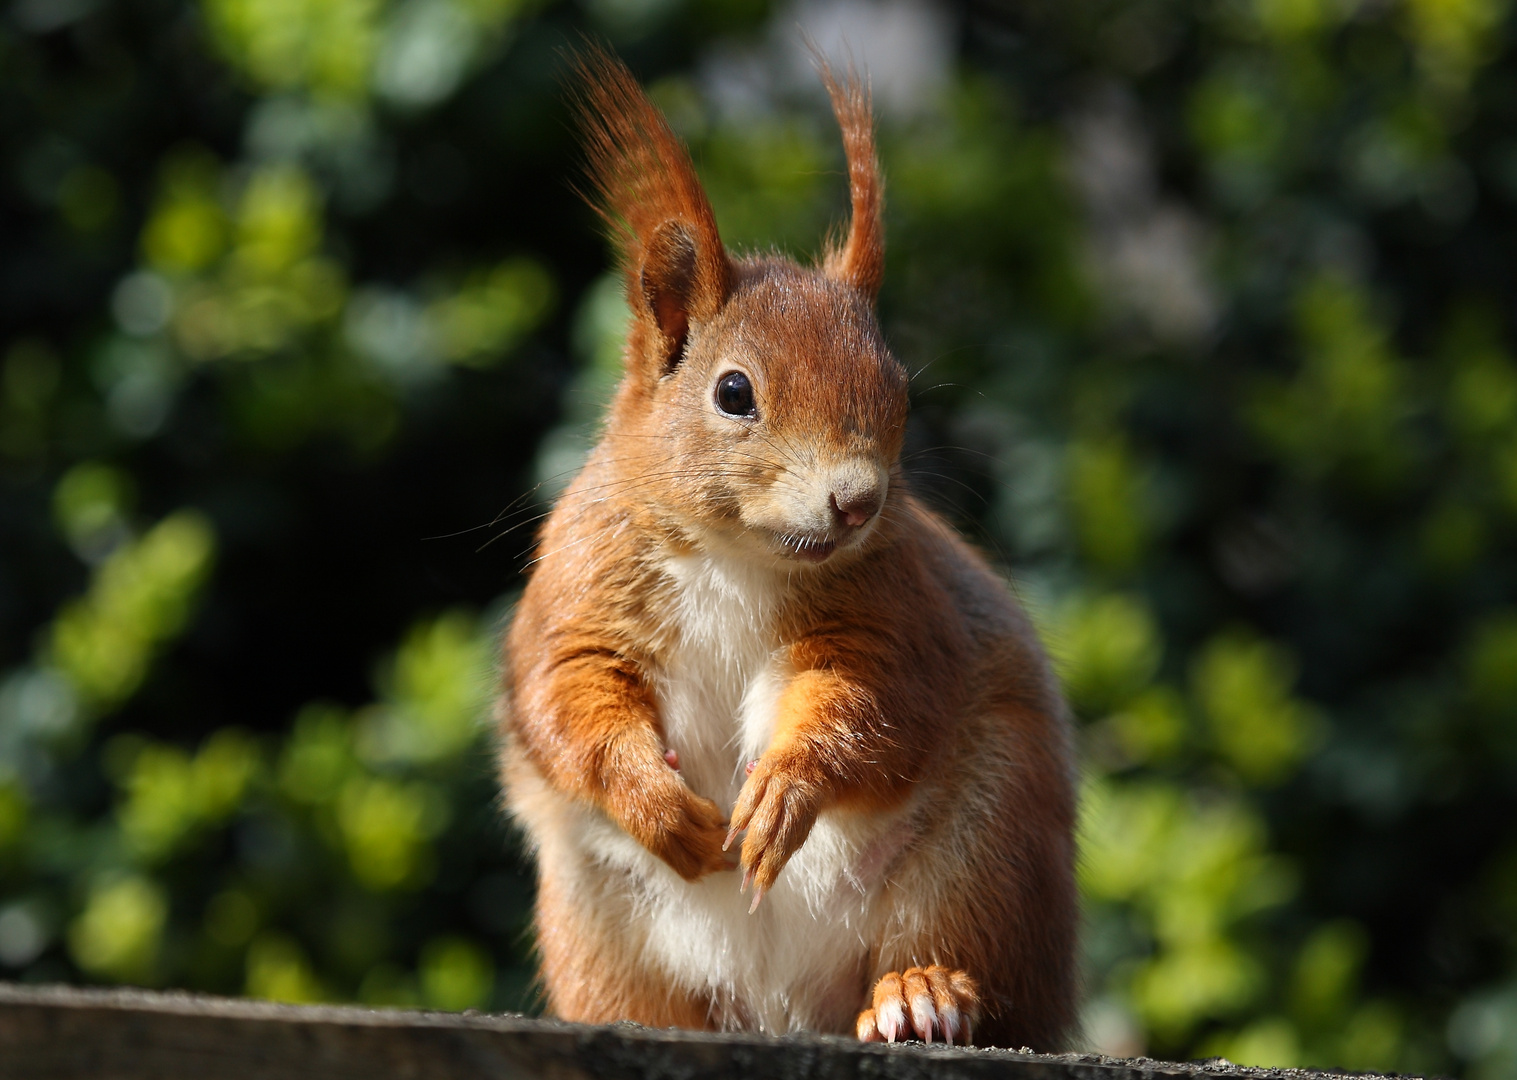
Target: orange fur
[[912, 711], [860, 259], [648, 193], [594, 980]]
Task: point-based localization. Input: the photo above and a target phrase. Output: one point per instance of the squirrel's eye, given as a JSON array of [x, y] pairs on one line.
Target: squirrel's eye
[[734, 395]]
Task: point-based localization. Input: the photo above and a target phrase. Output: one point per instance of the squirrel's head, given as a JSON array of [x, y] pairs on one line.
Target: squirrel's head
[[760, 404]]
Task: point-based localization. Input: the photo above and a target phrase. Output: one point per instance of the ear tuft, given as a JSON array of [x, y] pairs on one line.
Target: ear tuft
[[646, 189], [860, 259]]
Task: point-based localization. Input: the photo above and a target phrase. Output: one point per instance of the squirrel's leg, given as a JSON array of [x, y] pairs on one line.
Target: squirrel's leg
[[832, 746], [589, 975], [586, 719], [988, 885], [927, 1002]]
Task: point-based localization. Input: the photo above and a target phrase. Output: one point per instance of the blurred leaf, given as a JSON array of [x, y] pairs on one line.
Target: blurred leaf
[[1194, 869], [493, 312], [1453, 37], [455, 974], [436, 694], [91, 504], [278, 970], [1201, 979], [88, 198], [386, 826], [1327, 971], [188, 229], [13, 815], [231, 918], [1347, 405], [1271, 1039], [139, 596], [1152, 726], [1243, 685], [1491, 665], [325, 45], [117, 934], [1105, 649], [169, 794], [1105, 488], [1373, 1039], [318, 755]]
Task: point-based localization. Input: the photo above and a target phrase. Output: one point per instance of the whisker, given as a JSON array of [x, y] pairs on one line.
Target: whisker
[[944, 355]]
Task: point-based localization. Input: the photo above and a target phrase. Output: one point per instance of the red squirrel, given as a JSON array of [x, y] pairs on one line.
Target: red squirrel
[[741, 623]]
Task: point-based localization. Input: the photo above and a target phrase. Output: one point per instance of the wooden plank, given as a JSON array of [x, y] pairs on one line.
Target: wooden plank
[[67, 1033]]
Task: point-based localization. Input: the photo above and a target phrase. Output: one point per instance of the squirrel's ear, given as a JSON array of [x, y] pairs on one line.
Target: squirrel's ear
[[646, 189], [860, 259], [668, 282]]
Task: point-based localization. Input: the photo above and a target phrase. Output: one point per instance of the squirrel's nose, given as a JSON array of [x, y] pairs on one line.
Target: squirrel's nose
[[854, 507]]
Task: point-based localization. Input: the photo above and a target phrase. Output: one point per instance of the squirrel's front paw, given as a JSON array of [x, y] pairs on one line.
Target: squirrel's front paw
[[922, 1001], [778, 810], [683, 829]]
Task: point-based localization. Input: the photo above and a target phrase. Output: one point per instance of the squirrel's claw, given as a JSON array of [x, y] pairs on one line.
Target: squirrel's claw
[[921, 1002], [890, 1008], [777, 811]]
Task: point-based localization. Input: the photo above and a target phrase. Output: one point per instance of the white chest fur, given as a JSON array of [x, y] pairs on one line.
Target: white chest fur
[[799, 961], [723, 672]]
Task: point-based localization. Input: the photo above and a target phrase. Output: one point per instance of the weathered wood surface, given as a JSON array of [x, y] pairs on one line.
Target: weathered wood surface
[[65, 1033]]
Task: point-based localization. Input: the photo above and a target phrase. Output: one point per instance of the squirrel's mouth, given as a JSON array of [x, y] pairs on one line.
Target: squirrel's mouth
[[808, 548]]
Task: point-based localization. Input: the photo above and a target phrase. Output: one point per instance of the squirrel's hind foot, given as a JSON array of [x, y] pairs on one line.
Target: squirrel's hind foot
[[921, 1002]]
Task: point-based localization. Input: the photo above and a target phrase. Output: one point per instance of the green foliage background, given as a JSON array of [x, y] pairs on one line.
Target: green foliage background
[[1211, 309]]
